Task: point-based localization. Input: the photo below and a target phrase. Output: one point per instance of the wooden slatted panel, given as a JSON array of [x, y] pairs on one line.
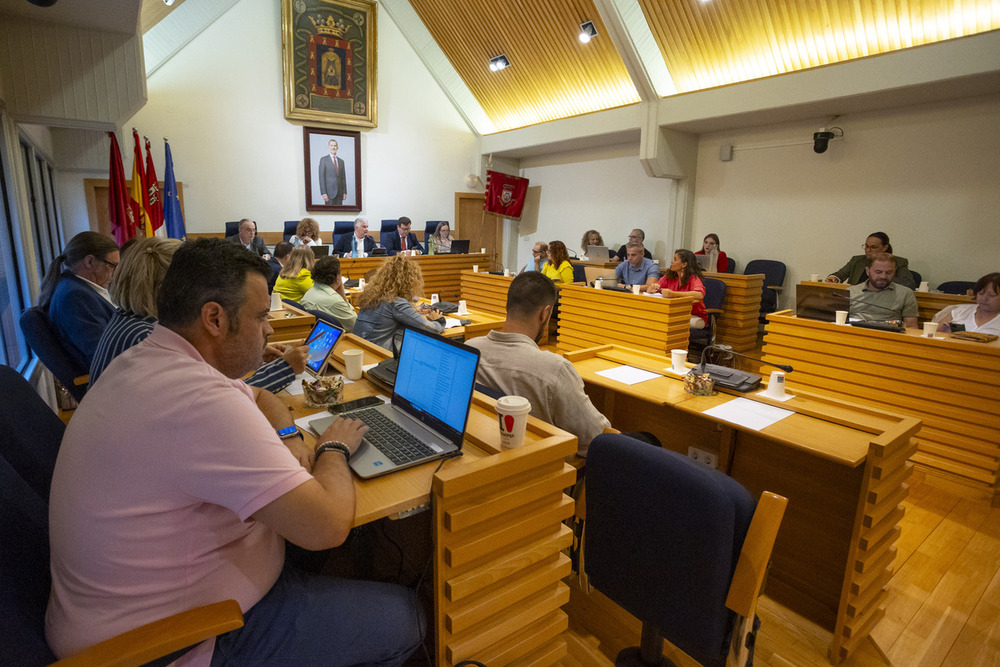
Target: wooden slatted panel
[[486, 292], [442, 273], [706, 44], [552, 75], [738, 324]]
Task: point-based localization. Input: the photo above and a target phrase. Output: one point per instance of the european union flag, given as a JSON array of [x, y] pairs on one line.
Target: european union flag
[[172, 216]]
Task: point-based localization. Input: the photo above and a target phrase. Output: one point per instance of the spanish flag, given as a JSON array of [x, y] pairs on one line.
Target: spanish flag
[[138, 192]]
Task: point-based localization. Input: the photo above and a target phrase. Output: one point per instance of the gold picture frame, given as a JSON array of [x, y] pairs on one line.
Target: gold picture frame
[[329, 61]]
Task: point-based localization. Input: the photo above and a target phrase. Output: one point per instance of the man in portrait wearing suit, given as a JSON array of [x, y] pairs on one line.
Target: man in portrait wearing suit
[[358, 244], [332, 179], [247, 237], [403, 239]]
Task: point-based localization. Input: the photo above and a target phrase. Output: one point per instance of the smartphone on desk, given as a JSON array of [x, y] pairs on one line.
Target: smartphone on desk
[[356, 404]]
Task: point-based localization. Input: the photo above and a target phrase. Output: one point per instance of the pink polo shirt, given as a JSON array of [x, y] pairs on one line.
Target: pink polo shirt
[[158, 476]]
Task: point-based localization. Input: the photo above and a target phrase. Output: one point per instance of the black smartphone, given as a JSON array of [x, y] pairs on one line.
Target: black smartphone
[[341, 408]]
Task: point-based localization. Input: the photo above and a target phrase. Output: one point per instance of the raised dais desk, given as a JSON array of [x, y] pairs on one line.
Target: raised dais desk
[[441, 272], [928, 303], [498, 533], [841, 466], [951, 385], [740, 318]]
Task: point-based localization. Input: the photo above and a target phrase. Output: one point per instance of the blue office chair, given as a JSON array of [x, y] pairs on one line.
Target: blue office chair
[[232, 228], [956, 287], [917, 278], [731, 265], [715, 294], [579, 273], [343, 226], [289, 230], [388, 226], [774, 278], [430, 226], [43, 339], [685, 551]]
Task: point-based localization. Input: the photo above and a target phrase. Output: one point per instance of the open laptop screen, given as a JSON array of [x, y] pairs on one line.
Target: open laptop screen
[[321, 340], [434, 381]]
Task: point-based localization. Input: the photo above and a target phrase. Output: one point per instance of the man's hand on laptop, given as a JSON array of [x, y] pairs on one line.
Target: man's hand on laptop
[[347, 431]]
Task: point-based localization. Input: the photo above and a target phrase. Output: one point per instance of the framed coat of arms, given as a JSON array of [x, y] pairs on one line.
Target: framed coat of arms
[[329, 61]]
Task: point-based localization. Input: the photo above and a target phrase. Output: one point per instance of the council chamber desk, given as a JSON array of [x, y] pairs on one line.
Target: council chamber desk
[[441, 272], [841, 466], [740, 318], [951, 385], [928, 303], [498, 532]]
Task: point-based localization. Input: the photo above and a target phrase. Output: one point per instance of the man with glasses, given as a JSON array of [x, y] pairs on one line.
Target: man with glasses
[[636, 236], [539, 255], [247, 237], [856, 269]]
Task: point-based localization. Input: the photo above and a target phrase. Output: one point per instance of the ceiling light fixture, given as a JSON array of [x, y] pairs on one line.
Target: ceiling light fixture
[[587, 31], [499, 62]]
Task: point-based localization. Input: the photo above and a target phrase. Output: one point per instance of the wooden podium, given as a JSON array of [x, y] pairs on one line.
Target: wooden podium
[[738, 324]]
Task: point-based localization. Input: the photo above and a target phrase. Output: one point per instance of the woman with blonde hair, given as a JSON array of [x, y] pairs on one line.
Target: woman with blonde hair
[[558, 269], [135, 287], [295, 277], [387, 304], [306, 233]]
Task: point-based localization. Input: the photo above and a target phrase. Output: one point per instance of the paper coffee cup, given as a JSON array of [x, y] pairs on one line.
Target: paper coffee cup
[[361, 283], [776, 386], [841, 317], [276, 302], [463, 308], [475, 268], [434, 299], [814, 277], [482, 250], [512, 414], [353, 360], [929, 329], [924, 287], [677, 359], [599, 283], [506, 273], [636, 288]]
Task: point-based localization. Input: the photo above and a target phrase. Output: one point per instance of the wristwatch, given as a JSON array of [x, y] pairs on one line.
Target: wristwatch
[[334, 446], [288, 432]]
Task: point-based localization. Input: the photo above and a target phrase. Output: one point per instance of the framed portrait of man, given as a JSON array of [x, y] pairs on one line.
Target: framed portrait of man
[[332, 169], [329, 61]]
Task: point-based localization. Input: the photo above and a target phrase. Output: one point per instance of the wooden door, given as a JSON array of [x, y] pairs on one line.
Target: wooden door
[[484, 230]]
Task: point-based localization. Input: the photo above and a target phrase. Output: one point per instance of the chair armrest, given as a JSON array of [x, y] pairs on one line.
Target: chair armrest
[[160, 638], [714, 311], [748, 579], [776, 288], [81, 380]]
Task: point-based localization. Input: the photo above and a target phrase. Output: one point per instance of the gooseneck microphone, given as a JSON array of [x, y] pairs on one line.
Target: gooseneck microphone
[[729, 350], [862, 302]]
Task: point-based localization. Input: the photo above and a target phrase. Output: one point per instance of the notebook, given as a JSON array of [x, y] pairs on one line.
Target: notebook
[[460, 247], [321, 341], [430, 407]]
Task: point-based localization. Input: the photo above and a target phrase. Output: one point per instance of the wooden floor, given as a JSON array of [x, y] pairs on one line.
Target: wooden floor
[[943, 606]]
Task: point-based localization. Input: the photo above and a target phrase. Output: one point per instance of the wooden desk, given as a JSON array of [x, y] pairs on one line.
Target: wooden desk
[[740, 319], [498, 533], [486, 292], [441, 272], [928, 303], [842, 468], [290, 325], [589, 317], [951, 385], [481, 323]]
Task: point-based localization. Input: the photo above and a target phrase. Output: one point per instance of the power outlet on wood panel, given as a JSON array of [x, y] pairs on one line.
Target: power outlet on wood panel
[[701, 456]]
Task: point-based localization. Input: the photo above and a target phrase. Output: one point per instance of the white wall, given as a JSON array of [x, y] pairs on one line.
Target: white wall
[[219, 101], [928, 176], [604, 189]]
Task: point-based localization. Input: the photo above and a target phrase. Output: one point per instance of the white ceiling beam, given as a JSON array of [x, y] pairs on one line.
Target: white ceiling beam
[[631, 35]]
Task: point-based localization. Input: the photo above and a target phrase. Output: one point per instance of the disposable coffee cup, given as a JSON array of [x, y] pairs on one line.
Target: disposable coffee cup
[[776, 387], [276, 301], [361, 283], [841, 317], [599, 283], [506, 273], [434, 299], [512, 413], [482, 250], [353, 360], [463, 308], [924, 287], [475, 268], [814, 277], [677, 359], [929, 329], [636, 288]]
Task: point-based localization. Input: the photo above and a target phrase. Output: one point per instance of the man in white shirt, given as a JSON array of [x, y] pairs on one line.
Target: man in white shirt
[[358, 244]]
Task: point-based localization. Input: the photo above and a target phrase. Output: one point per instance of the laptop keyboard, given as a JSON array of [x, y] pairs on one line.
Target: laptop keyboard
[[399, 445]]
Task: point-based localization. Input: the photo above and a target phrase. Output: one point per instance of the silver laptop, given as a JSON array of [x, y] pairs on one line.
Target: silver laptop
[[321, 341], [429, 411], [320, 251], [598, 253]]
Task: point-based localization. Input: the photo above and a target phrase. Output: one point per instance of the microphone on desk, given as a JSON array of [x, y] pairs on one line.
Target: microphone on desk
[[729, 350], [863, 323], [730, 378]]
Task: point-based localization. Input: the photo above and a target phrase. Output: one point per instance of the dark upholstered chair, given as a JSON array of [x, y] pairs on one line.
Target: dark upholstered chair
[[579, 273], [774, 278], [430, 226], [30, 434], [232, 228], [917, 278], [289, 230], [731, 265], [681, 546], [388, 226], [715, 294], [956, 287], [43, 339]]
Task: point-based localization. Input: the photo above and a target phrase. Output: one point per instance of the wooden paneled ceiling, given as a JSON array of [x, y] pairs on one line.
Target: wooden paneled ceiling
[[702, 44]]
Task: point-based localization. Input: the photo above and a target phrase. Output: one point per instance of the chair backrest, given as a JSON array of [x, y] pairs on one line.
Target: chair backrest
[[233, 228], [774, 276], [42, 338], [917, 278], [691, 521], [30, 434], [430, 226], [289, 230], [388, 226], [579, 273], [715, 293], [342, 227], [956, 287], [731, 267], [321, 315]]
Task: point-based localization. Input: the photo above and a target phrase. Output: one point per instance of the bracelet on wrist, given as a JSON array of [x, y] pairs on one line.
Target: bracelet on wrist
[[334, 446]]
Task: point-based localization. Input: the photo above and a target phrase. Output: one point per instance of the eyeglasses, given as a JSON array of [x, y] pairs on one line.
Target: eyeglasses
[[872, 247], [111, 264]]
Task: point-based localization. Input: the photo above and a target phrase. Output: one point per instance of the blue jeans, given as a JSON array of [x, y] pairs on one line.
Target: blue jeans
[[317, 620]]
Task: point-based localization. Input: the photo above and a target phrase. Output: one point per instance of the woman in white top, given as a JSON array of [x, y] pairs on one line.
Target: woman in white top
[[306, 233], [983, 316]]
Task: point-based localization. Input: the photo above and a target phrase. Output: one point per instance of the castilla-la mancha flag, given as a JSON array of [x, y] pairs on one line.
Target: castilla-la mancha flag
[[505, 194]]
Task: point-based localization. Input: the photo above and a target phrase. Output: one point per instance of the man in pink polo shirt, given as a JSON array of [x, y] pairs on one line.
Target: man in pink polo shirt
[[173, 489]]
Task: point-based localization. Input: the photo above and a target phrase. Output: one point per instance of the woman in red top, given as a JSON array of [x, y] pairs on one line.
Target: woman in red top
[[683, 278], [718, 261]]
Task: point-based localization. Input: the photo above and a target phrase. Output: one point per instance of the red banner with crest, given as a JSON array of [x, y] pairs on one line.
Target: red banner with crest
[[505, 194]]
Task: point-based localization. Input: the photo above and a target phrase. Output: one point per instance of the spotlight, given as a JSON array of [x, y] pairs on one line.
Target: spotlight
[[821, 139], [587, 31], [498, 63]]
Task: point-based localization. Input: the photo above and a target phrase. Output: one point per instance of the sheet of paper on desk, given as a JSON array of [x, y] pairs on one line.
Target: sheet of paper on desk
[[628, 374], [747, 413], [451, 322]]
